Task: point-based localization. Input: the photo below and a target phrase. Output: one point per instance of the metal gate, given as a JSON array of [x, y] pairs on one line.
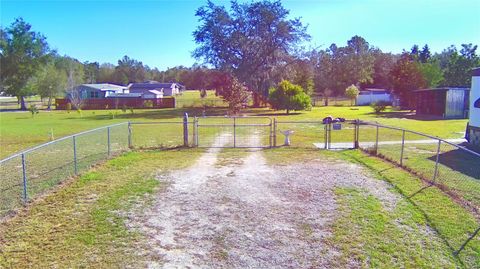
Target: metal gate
[[233, 132]]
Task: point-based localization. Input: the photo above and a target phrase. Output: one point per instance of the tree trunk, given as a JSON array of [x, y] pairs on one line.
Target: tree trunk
[[326, 100], [49, 103], [22, 103], [288, 111]]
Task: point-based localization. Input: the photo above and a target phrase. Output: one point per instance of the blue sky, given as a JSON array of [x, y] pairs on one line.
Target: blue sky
[[159, 33]]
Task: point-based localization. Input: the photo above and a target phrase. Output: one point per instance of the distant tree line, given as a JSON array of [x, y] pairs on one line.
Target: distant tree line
[[250, 46]]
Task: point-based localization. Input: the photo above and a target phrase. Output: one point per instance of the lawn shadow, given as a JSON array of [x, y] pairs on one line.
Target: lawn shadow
[[461, 161], [406, 115]]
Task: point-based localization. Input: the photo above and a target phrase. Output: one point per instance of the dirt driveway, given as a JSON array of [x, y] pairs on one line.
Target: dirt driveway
[[249, 214]]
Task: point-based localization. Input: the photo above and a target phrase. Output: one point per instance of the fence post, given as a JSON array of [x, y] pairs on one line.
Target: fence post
[[108, 141], [234, 133], [185, 129], [129, 135], [355, 135], [197, 131], [24, 174], [402, 149], [274, 132], [326, 136], [271, 134], [75, 156], [376, 142], [194, 131], [435, 173]]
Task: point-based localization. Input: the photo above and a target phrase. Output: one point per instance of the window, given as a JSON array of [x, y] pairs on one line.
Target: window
[[92, 94], [477, 103]]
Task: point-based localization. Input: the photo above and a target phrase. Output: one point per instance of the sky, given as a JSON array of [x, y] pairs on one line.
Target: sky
[[159, 33]]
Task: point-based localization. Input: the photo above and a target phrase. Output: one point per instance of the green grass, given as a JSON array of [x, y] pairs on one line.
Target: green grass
[[369, 234], [81, 225], [452, 222], [19, 130]]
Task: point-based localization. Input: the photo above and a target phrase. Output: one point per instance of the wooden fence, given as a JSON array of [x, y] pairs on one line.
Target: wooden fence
[[118, 103]]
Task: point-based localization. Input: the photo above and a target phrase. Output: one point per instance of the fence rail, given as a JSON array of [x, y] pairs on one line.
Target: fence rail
[[453, 168], [30, 173]]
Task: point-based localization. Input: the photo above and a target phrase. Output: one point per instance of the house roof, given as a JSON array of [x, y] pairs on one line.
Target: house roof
[[476, 72], [375, 90], [105, 87], [131, 95], [155, 91], [151, 85], [444, 89]]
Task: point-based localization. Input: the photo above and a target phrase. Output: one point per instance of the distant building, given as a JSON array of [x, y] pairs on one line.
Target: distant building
[[448, 103], [473, 130], [369, 96], [99, 91], [166, 89]]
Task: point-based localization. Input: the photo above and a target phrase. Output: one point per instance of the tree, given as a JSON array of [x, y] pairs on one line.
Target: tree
[[23, 51], [230, 89], [432, 73], [50, 82], [289, 96], [352, 93], [424, 55], [406, 77], [457, 65], [91, 72], [249, 41], [129, 70]]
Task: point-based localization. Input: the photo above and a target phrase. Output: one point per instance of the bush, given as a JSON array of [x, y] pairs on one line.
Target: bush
[[379, 106], [289, 96], [352, 92], [33, 109], [148, 104]]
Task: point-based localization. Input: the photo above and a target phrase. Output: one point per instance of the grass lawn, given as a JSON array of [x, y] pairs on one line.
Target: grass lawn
[[369, 233], [82, 224], [18, 130]]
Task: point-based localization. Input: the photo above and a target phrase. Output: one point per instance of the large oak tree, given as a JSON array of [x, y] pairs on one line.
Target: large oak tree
[[250, 40]]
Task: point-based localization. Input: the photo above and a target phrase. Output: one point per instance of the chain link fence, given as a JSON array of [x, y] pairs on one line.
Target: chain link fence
[[29, 174]]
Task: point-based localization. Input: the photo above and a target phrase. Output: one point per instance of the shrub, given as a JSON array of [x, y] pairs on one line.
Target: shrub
[[379, 106], [289, 96], [148, 104], [33, 109], [352, 93]]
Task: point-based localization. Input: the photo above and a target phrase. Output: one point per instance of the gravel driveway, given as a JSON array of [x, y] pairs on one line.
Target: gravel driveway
[[249, 214]]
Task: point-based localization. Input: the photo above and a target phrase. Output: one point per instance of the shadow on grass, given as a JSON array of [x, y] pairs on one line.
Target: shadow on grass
[[460, 161], [406, 115]]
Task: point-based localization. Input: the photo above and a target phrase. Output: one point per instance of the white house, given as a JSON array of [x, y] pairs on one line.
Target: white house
[[368, 96], [473, 130], [167, 89]]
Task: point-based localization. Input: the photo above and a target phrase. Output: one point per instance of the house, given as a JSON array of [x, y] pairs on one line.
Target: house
[[166, 89], [448, 103], [99, 91], [369, 96], [473, 129]]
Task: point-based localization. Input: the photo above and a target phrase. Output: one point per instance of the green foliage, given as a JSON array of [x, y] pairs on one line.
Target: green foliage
[[236, 95], [68, 107], [289, 96], [23, 51], [379, 106], [432, 73], [247, 40], [406, 77], [33, 110], [457, 65], [352, 93], [148, 104], [50, 82]]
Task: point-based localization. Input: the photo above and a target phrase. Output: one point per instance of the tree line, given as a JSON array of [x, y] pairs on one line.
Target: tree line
[[252, 46]]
